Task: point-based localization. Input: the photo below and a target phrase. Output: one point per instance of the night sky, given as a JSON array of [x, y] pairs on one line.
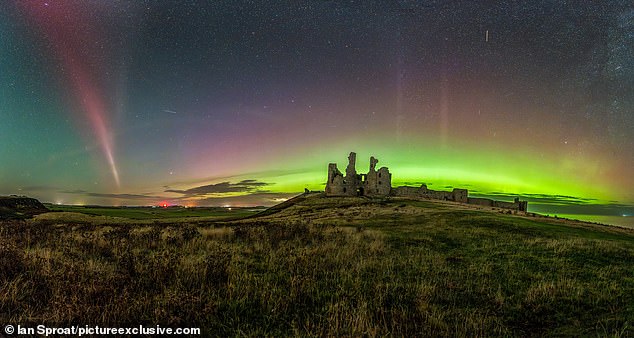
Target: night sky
[[246, 102]]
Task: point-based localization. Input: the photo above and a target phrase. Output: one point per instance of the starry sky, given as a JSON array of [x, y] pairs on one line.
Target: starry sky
[[246, 102]]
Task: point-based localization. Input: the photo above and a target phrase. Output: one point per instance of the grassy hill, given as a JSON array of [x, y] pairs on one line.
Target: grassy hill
[[327, 266], [17, 207]]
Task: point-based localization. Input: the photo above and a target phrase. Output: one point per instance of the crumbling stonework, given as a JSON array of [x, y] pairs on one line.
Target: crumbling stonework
[[374, 183], [456, 195], [515, 205], [377, 183]]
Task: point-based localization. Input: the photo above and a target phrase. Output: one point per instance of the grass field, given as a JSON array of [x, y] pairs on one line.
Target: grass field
[[139, 213], [326, 267]]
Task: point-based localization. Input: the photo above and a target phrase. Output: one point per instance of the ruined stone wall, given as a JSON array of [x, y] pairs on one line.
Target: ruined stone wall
[[460, 195], [515, 205], [352, 181], [439, 195], [480, 201], [457, 195], [334, 186], [384, 182], [374, 183], [372, 179], [505, 205], [377, 183], [407, 192]]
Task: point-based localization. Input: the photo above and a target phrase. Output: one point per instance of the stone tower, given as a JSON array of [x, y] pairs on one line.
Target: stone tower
[[352, 180]]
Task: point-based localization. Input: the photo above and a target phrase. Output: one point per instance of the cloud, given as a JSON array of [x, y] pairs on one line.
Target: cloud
[[38, 188], [254, 199], [252, 194], [267, 173], [78, 191], [123, 196], [105, 195], [222, 188], [411, 183]]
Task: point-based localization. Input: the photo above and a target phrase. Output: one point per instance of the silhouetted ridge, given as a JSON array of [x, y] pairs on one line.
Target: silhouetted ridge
[[20, 207]]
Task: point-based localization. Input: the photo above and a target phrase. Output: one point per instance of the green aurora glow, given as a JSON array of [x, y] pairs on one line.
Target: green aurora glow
[[479, 168]]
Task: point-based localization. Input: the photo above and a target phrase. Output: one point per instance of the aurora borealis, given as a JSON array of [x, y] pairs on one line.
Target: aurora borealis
[[246, 102]]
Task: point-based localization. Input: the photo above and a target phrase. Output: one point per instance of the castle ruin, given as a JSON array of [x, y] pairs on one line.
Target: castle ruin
[[374, 183], [378, 183]]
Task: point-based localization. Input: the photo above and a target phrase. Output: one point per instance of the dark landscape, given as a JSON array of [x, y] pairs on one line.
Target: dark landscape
[[323, 266], [401, 168]]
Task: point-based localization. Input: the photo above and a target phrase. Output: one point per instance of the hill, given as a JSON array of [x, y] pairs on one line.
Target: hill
[[320, 266], [20, 207], [364, 211]]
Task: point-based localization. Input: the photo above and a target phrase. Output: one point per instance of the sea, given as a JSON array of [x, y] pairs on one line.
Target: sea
[[624, 221]]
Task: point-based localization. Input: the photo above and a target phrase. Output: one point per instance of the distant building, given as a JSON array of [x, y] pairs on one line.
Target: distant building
[[377, 183]]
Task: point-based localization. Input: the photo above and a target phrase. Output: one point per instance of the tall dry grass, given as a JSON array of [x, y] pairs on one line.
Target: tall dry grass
[[281, 279]]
